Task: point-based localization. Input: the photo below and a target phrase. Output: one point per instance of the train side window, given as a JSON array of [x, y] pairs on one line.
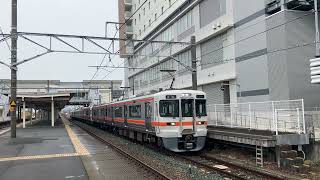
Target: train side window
[[118, 112], [135, 111]]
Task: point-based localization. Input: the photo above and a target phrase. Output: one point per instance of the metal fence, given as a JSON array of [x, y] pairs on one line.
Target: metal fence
[[312, 116], [276, 116]]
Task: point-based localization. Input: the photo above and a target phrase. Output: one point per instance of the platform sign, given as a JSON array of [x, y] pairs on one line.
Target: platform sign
[[13, 105], [315, 70]]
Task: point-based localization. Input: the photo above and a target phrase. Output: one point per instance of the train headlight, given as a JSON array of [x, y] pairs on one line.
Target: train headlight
[[171, 124], [201, 122], [186, 95]]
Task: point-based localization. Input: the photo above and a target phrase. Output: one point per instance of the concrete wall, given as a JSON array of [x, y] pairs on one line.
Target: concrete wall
[[312, 151], [250, 51], [254, 51], [277, 65], [289, 52], [299, 33]]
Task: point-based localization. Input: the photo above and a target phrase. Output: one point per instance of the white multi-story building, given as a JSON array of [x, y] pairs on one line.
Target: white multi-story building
[[247, 50]]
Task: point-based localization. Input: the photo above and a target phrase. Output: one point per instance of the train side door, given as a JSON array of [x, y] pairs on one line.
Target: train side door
[[148, 115], [125, 114], [156, 117]]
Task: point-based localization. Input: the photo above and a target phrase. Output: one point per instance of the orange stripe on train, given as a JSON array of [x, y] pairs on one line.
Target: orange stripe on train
[[187, 123], [135, 121]]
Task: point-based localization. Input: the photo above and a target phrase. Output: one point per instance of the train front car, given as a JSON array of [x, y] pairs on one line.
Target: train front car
[[181, 119]]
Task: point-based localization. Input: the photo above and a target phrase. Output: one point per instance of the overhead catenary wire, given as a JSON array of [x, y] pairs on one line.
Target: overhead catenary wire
[[102, 61], [268, 52], [229, 60], [254, 35], [5, 39], [309, 13], [125, 45]]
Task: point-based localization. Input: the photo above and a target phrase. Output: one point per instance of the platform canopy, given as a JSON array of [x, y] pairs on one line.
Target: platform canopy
[[43, 101]]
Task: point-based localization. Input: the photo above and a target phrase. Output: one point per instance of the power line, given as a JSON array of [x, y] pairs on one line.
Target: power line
[[249, 37], [5, 39], [252, 35], [269, 52], [233, 59], [102, 61], [263, 20], [125, 45]]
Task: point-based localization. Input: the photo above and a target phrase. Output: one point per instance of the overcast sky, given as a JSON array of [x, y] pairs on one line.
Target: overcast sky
[[80, 17]]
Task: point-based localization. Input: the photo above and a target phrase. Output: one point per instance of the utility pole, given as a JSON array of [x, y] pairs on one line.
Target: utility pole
[[316, 13], [194, 63], [14, 37], [111, 90]]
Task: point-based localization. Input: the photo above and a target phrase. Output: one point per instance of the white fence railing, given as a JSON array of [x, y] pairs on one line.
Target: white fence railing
[[312, 116], [276, 116]]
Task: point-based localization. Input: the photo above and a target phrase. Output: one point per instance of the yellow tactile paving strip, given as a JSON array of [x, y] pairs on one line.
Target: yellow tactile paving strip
[[81, 150], [38, 157]]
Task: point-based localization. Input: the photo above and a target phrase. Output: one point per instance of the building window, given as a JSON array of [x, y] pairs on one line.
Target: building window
[[169, 3], [149, 22], [212, 52], [162, 10], [185, 22], [149, 5], [211, 10], [144, 11], [155, 16]]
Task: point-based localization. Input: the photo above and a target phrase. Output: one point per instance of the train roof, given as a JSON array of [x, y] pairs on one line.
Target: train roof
[[162, 93]]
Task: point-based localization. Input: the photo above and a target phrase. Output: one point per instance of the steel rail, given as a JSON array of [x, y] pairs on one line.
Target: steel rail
[[154, 171], [230, 174], [211, 168], [245, 168]]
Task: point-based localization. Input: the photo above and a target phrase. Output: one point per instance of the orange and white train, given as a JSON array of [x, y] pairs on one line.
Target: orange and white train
[[174, 119]]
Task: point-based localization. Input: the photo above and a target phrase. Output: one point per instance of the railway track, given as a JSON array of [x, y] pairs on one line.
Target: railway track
[[255, 171], [4, 125], [150, 169], [228, 169]]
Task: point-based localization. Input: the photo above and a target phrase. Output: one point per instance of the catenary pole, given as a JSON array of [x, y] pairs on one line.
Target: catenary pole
[[194, 63], [14, 38], [316, 13]]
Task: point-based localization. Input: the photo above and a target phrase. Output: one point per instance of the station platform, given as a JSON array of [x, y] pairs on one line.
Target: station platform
[[61, 152], [256, 137]]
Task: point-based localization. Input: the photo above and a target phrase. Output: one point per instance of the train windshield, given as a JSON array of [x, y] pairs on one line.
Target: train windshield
[[201, 108], [187, 107], [169, 108]]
